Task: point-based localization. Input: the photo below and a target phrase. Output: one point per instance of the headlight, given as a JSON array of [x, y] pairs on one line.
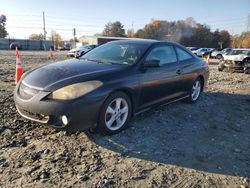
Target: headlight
[[75, 90]]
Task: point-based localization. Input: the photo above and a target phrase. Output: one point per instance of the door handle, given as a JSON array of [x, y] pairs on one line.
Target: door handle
[[178, 71]]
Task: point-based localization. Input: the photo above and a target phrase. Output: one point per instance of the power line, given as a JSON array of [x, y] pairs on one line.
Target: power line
[[73, 18], [65, 24]]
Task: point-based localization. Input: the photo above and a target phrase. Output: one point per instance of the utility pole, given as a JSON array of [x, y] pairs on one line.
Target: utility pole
[[44, 31], [52, 37], [74, 36], [248, 23], [220, 44]]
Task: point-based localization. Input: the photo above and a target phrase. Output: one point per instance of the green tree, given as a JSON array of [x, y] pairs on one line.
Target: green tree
[[188, 32], [221, 39], [115, 29], [3, 32], [36, 37], [140, 34], [156, 29], [202, 37], [164, 30]]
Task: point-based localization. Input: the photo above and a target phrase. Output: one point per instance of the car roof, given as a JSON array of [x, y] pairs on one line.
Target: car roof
[[144, 41], [138, 41]]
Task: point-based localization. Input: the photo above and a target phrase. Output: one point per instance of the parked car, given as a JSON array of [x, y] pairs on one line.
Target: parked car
[[84, 49], [110, 84], [80, 51], [71, 52], [202, 52], [194, 49], [218, 54], [15, 45], [236, 60]]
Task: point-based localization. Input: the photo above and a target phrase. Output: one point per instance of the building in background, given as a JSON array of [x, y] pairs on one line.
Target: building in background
[[99, 40]]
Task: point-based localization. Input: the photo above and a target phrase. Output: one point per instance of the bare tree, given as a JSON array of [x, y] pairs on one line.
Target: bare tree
[[56, 38], [36, 37]]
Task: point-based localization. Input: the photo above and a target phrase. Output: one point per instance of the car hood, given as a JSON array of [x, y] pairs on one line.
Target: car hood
[[59, 74], [216, 52]]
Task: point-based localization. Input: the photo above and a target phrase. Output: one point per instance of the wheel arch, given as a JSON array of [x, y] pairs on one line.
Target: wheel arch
[[129, 93], [246, 60], [201, 77]]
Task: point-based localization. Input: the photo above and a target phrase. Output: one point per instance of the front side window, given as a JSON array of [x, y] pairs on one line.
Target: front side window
[[182, 55], [236, 52], [165, 54]]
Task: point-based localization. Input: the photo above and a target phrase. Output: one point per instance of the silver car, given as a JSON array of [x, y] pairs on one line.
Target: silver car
[[218, 54]]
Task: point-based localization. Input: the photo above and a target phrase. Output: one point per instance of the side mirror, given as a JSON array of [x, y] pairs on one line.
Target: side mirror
[[152, 63]]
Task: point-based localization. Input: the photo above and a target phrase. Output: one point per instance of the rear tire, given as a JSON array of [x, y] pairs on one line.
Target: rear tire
[[247, 71], [195, 91], [246, 62], [115, 114]]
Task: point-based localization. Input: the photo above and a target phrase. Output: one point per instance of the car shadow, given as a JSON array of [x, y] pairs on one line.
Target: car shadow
[[212, 135]]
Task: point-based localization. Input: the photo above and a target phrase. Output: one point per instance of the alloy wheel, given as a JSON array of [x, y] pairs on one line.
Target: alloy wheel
[[196, 90], [116, 114]]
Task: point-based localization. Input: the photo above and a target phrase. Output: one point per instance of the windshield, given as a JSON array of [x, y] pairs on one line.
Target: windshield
[[117, 53], [225, 50], [201, 50]]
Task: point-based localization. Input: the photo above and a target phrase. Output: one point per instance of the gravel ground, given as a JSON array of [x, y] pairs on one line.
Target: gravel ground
[[206, 144]]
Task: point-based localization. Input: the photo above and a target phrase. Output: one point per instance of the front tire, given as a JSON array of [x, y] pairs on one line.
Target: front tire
[[219, 56], [115, 114], [246, 70], [220, 69], [195, 91], [221, 66]]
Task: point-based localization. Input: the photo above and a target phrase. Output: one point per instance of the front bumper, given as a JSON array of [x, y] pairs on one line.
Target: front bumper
[[81, 113], [234, 65], [71, 54]]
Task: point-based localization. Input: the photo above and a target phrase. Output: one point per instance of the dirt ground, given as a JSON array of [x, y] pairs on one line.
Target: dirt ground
[[206, 144]]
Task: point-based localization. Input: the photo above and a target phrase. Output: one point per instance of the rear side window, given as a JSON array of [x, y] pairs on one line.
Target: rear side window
[[182, 55], [165, 54]]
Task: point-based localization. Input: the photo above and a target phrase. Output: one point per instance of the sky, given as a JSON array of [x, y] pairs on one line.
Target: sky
[[89, 17]]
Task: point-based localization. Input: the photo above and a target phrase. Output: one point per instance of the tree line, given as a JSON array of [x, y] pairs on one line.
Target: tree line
[[187, 32]]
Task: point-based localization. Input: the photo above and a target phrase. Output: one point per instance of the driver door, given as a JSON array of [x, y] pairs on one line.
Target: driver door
[[161, 83]]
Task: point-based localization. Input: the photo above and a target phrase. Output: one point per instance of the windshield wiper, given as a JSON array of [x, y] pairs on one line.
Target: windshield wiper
[[94, 60], [106, 62]]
